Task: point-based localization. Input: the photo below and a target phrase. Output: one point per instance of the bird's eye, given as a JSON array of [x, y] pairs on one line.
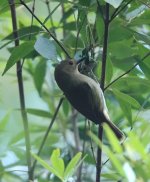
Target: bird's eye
[[71, 62]]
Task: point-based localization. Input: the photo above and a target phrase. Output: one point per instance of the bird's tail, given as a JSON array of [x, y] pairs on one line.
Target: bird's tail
[[119, 134]]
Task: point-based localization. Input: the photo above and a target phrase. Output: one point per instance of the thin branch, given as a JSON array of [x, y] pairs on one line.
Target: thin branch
[[148, 5], [92, 149], [125, 73], [33, 9], [47, 132], [118, 10], [104, 57], [64, 20], [21, 91], [78, 31], [56, 40], [50, 17]]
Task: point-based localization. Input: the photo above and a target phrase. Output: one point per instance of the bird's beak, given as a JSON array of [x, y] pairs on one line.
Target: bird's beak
[[80, 60]]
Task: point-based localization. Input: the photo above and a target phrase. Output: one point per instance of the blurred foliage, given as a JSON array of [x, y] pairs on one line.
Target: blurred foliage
[[79, 26]]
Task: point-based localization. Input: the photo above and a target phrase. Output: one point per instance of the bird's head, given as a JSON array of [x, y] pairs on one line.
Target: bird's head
[[67, 66]]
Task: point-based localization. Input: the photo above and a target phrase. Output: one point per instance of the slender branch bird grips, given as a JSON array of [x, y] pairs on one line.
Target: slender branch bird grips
[[84, 94]]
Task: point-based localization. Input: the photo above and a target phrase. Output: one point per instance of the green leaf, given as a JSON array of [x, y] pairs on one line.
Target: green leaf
[[121, 49], [126, 98], [145, 69], [57, 162], [24, 33], [126, 108], [47, 166], [71, 166], [39, 75], [46, 48], [112, 139], [113, 158], [4, 6], [114, 3], [135, 145], [39, 112], [18, 53], [66, 107], [3, 122], [111, 176], [99, 26]]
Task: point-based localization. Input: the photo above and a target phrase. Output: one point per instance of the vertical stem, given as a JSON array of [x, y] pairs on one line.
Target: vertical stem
[[104, 57], [21, 90]]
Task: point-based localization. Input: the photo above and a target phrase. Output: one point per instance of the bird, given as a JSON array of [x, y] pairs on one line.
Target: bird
[[84, 94]]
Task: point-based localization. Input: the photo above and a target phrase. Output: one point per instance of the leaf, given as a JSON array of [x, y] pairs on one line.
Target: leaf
[[111, 176], [47, 166], [135, 145], [24, 33], [39, 75], [121, 49], [46, 48], [145, 69], [71, 166], [135, 13], [3, 122], [126, 108], [18, 53], [99, 27], [39, 112], [126, 98], [66, 107], [114, 3], [57, 162], [112, 139], [115, 161]]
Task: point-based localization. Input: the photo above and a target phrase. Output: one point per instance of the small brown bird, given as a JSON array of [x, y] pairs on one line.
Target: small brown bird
[[84, 94]]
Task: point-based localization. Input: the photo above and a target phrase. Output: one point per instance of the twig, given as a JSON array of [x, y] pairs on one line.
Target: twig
[[118, 10], [92, 149], [50, 17], [46, 134], [21, 91], [104, 57], [56, 40], [125, 73], [79, 30], [64, 21]]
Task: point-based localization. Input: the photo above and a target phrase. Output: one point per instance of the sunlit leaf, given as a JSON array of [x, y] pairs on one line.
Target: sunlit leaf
[[113, 158], [47, 166], [112, 139], [57, 162], [72, 165]]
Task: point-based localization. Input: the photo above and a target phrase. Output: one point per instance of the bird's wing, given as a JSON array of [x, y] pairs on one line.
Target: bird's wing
[[88, 99]]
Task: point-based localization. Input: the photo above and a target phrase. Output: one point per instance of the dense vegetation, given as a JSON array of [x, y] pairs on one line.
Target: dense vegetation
[[35, 36]]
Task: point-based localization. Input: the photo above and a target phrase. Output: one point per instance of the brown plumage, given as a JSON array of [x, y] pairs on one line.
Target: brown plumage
[[84, 94]]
